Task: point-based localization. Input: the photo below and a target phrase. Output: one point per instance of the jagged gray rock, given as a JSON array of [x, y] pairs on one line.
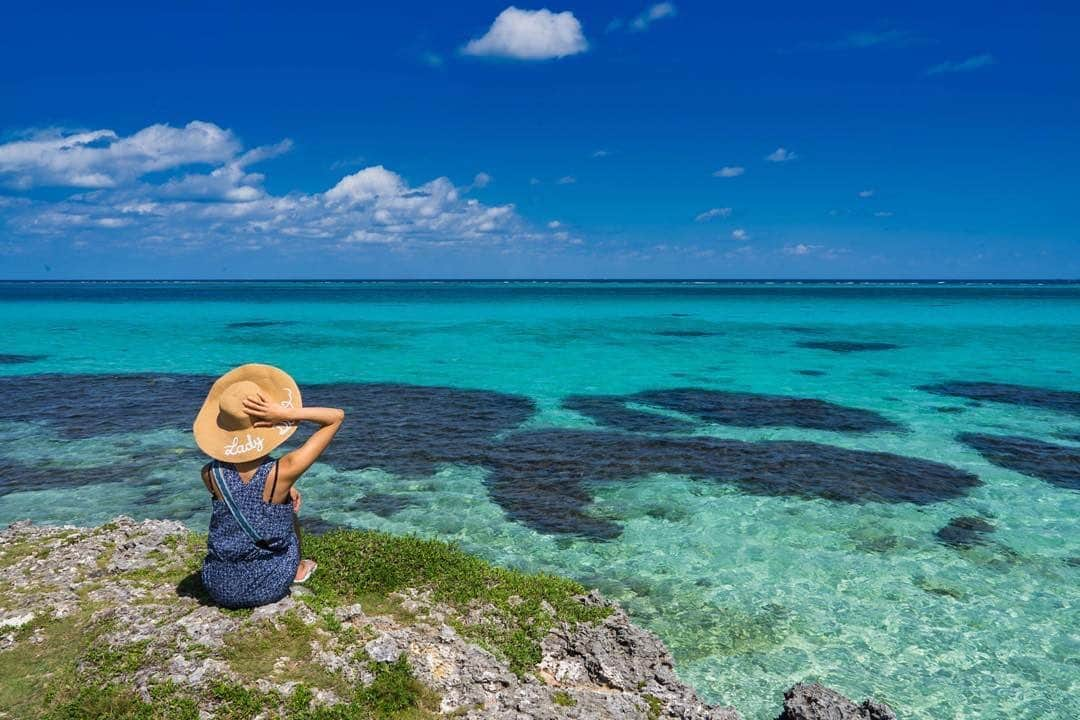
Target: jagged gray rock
[[817, 702]]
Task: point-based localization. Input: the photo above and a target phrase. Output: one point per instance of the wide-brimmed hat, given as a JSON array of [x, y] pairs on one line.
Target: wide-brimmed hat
[[223, 429]]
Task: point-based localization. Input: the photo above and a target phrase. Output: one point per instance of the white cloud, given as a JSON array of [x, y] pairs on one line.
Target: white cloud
[[800, 249], [780, 155], [883, 213], [816, 251], [228, 206], [482, 180], [601, 153], [534, 181], [659, 11], [104, 159], [530, 35], [954, 66], [713, 213], [554, 224], [866, 193], [740, 235], [566, 180], [729, 171]]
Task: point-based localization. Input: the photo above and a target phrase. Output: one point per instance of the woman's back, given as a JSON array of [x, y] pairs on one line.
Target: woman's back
[[237, 571]]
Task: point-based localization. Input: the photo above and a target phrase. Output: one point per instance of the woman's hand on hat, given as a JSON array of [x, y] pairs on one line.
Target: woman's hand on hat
[[264, 412]]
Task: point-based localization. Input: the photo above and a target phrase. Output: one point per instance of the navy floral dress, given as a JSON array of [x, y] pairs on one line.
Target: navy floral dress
[[237, 572]]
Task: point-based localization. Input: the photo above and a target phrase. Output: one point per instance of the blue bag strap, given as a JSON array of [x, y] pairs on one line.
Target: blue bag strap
[[226, 495]]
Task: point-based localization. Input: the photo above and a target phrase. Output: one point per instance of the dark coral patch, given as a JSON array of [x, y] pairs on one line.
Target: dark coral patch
[[686, 333], [950, 409], [383, 504], [82, 406], [846, 346], [811, 373], [412, 429], [1026, 395], [758, 410], [9, 359], [1070, 436], [543, 478], [1056, 464], [611, 410], [803, 329], [966, 531], [259, 323]]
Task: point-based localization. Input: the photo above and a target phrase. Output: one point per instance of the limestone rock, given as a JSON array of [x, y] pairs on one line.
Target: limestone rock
[[817, 702]]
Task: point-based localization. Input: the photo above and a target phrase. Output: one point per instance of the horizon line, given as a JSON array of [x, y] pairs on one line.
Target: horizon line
[[549, 279]]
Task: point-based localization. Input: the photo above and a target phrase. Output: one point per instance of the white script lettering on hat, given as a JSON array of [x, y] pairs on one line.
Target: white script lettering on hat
[[238, 448], [283, 428]]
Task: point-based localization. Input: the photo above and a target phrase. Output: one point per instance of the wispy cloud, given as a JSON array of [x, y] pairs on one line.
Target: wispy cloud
[[866, 193], [781, 155], [644, 19], [740, 235], [601, 153], [432, 59], [883, 213], [227, 206], [891, 37], [713, 213], [530, 35], [816, 251], [729, 171], [566, 180], [881, 37], [659, 11], [974, 62]]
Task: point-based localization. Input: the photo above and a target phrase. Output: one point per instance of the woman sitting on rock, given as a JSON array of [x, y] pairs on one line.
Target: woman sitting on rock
[[253, 551]]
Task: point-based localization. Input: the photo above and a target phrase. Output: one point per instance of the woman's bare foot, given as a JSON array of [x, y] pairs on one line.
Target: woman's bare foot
[[303, 572]]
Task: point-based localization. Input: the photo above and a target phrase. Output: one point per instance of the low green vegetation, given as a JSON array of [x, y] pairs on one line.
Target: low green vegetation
[[563, 698], [355, 565], [655, 706], [69, 672]]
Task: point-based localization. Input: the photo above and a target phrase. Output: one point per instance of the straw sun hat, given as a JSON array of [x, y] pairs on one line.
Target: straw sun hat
[[223, 429]]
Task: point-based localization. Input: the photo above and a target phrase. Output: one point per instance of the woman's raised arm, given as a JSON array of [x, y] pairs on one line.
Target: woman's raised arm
[[294, 464]]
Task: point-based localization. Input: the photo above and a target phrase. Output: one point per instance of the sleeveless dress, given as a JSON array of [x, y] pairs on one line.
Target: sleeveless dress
[[236, 572]]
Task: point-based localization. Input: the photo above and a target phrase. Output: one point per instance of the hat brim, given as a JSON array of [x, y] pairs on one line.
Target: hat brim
[[250, 443]]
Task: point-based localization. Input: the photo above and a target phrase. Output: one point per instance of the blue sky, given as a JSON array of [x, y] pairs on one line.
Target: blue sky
[[600, 139]]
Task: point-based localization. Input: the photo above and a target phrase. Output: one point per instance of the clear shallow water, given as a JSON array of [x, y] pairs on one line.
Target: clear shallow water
[[752, 590]]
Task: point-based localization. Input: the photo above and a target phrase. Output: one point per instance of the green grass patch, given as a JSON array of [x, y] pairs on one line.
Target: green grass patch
[[280, 651], [354, 564], [655, 706], [563, 699]]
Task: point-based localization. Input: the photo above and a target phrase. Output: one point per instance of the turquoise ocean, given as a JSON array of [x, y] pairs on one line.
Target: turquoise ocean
[[872, 485]]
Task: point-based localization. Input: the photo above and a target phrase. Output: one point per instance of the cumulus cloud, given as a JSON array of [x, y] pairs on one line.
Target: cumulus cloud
[[954, 66], [780, 155], [659, 11], [228, 206], [740, 235], [729, 171], [866, 193], [104, 159], [530, 35], [816, 251], [713, 213]]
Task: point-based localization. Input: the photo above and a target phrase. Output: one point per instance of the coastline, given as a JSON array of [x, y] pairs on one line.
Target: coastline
[[110, 621]]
